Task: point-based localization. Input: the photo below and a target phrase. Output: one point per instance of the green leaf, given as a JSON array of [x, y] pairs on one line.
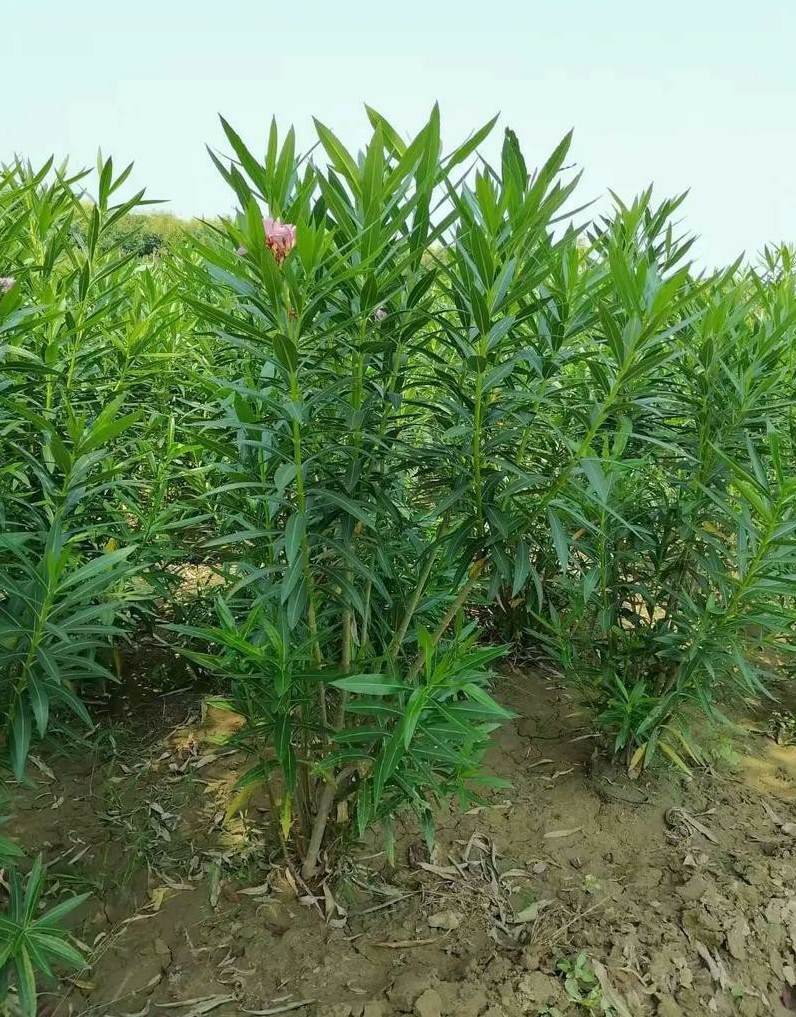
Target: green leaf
[[54, 916], [20, 738], [594, 473], [458, 155], [40, 703], [485, 700], [338, 155], [256, 172], [33, 889], [104, 562], [294, 534], [353, 508], [386, 763], [560, 539], [283, 730], [369, 685], [57, 949], [26, 983], [522, 568]]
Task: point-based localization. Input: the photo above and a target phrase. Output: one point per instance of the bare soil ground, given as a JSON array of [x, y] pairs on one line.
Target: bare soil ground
[[680, 893]]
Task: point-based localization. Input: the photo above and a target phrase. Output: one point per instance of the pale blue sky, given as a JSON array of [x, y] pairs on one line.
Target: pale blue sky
[[698, 94]]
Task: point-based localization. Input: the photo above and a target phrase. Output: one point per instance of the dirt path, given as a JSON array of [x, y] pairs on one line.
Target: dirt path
[[680, 896]]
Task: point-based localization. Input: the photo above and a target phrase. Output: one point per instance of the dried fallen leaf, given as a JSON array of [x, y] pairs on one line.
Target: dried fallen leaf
[[139, 1013], [214, 883], [694, 823], [610, 994], [531, 913], [440, 870], [291, 881], [405, 944], [240, 801], [555, 834], [714, 965], [331, 906], [385, 904], [161, 894], [198, 1005], [775, 819], [256, 891], [84, 984], [174, 884], [79, 855], [284, 1008], [41, 765]]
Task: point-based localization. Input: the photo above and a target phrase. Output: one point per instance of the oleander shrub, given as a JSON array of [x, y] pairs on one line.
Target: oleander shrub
[[395, 393]]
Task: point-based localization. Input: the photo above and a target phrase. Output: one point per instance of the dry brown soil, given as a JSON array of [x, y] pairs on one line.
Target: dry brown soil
[[681, 893]]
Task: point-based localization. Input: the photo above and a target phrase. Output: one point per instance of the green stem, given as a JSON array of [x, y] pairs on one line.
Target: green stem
[[417, 593], [301, 501], [357, 398], [476, 450], [475, 574]]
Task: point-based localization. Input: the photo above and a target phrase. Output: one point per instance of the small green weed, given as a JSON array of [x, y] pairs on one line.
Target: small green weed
[[582, 985]]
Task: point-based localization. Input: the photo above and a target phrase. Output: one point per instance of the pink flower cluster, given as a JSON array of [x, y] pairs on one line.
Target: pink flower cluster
[[7, 282], [280, 237]]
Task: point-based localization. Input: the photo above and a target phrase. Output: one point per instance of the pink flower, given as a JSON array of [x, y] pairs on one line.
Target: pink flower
[[7, 283], [280, 237]]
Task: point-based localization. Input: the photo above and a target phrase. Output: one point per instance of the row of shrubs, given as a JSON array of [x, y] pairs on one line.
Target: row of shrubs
[[396, 386]]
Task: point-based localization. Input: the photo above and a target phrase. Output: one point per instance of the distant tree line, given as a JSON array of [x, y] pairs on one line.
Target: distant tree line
[[146, 233]]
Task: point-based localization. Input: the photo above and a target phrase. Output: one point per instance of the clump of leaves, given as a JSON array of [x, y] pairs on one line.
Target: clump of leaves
[[395, 385], [33, 944], [86, 453], [672, 521]]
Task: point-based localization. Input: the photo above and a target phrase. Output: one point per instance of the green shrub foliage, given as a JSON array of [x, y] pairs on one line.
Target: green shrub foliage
[[397, 391]]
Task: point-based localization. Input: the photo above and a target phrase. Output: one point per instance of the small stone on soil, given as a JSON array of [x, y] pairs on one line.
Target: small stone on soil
[[374, 1009], [668, 1008], [539, 987], [447, 920], [429, 1004], [736, 938], [694, 889], [406, 989]]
